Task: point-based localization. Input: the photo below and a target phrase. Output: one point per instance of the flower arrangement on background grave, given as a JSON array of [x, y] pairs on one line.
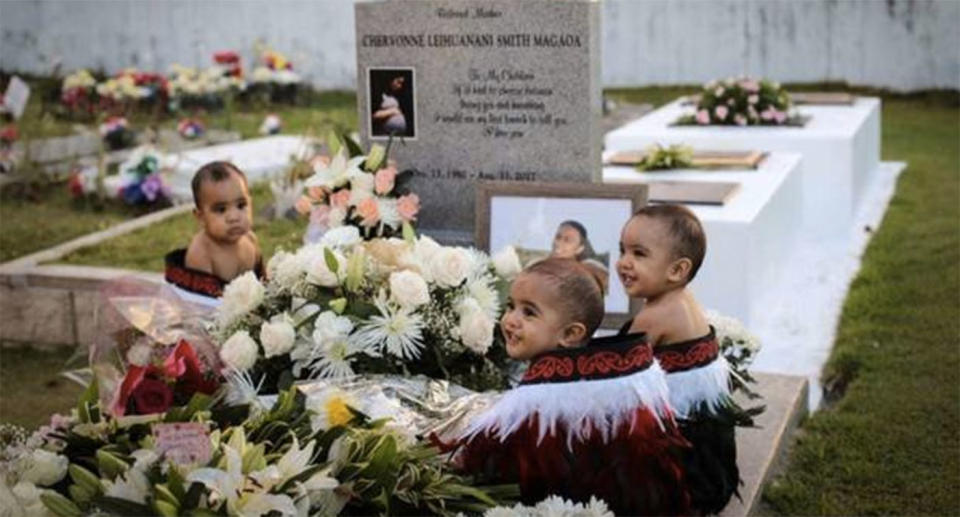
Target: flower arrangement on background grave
[[207, 89], [8, 135], [656, 157], [78, 93], [190, 128], [274, 78], [343, 306], [82, 181], [742, 102], [116, 133], [361, 190], [271, 125], [141, 178]]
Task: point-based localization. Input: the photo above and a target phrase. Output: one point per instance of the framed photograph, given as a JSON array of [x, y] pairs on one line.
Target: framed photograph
[[576, 220], [392, 102]]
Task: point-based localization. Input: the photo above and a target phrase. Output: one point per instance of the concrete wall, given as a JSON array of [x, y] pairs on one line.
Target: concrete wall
[[898, 44]]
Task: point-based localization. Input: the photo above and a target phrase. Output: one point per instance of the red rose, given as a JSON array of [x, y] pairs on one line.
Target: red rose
[[152, 396], [191, 378]]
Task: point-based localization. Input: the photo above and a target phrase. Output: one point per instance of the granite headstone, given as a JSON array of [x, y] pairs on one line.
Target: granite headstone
[[480, 90]]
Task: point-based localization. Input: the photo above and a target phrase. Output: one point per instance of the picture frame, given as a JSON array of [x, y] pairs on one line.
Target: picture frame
[[553, 212], [384, 94]]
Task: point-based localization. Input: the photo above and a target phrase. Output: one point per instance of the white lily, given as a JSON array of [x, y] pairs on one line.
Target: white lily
[[337, 173]]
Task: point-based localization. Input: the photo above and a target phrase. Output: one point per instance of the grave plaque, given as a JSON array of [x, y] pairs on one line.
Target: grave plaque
[[480, 90], [15, 99]]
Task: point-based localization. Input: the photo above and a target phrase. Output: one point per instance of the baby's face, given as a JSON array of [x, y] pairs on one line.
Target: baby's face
[[533, 322], [645, 257], [225, 209]]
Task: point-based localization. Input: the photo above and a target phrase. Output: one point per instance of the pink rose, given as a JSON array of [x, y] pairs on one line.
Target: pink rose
[[740, 120], [340, 198], [753, 99], [703, 117], [780, 116], [303, 205], [767, 114], [721, 112], [316, 193], [368, 211], [383, 183], [408, 206], [750, 85]]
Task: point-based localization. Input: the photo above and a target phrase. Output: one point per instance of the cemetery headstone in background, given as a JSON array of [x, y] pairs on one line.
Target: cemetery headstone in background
[[491, 90]]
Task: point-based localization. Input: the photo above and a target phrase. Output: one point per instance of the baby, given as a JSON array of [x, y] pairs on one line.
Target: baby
[[225, 247], [661, 250], [585, 420]]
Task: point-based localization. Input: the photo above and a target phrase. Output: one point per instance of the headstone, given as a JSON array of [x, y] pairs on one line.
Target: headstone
[[15, 99], [480, 90]]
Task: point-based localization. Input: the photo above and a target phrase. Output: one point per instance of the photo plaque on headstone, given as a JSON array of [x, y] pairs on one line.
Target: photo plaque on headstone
[[480, 90]]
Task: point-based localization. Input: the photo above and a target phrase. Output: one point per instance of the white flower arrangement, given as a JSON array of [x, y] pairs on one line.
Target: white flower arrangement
[[553, 506], [330, 311]]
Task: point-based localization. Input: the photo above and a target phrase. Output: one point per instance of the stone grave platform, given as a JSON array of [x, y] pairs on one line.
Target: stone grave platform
[[748, 237], [259, 158], [840, 147]]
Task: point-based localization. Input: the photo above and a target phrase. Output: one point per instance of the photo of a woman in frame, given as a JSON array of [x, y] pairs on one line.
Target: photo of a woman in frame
[[391, 103]]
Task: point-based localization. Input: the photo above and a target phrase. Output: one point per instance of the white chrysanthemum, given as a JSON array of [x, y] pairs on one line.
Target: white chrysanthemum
[[507, 263], [277, 335], [732, 328], [342, 237], [485, 295], [398, 332], [333, 357], [240, 296], [408, 289], [336, 173], [240, 351], [240, 388], [389, 215], [450, 266], [329, 325], [284, 269]]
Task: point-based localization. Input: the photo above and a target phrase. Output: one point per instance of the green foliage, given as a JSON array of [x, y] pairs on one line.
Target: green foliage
[[657, 157]]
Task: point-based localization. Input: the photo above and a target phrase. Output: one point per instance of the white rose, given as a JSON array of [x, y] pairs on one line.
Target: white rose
[[341, 237], [240, 351], [27, 500], [506, 262], [450, 266], [426, 248], [409, 289], [45, 468], [277, 336], [329, 326], [284, 269], [240, 296], [140, 354], [476, 328]]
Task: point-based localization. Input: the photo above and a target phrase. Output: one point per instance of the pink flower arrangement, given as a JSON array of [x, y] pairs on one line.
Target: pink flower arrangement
[[741, 102], [721, 112], [366, 192]]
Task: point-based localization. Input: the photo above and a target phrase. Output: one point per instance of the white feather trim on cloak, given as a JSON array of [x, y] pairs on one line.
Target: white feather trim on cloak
[[581, 405], [690, 388]]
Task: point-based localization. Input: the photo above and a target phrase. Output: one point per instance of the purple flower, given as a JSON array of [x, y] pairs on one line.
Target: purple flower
[[151, 186], [721, 112], [703, 117]]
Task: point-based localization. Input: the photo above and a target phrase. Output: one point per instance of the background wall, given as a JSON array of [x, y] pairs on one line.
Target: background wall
[[897, 44]]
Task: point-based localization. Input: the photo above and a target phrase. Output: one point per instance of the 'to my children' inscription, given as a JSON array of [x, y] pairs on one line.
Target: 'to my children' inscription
[[479, 90]]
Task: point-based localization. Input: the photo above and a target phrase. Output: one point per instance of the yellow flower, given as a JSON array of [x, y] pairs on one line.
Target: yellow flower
[[338, 413]]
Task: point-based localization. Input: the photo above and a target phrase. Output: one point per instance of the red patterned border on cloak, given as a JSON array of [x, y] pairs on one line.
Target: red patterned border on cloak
[[589, 363], [688, 355]]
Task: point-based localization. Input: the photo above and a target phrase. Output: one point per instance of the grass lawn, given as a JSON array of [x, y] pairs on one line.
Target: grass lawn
[[145, 248], [49, 217], [890, 444], [30, 386]]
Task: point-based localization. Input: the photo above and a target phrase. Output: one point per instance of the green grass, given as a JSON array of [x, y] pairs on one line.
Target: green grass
[[144, 249], [31, 388], [49, 216], [891, 443]]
